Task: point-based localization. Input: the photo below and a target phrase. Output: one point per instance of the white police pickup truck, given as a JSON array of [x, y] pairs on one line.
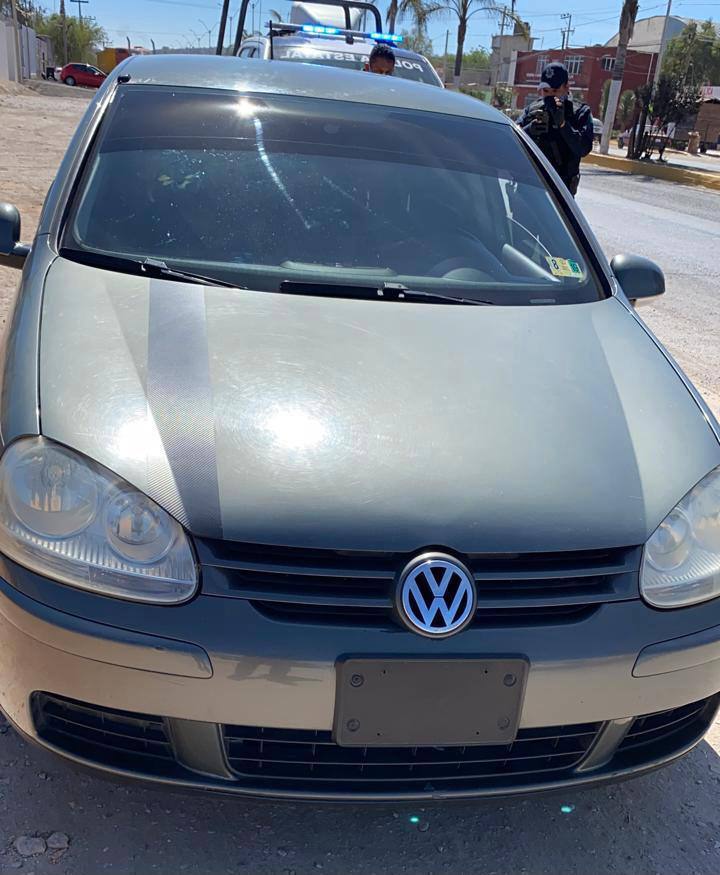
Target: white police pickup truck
[[349, 47]]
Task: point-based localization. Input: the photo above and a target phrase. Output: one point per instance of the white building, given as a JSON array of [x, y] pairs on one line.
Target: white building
[[647, 34]]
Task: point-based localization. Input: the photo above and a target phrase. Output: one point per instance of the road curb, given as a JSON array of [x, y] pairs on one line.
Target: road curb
[[660, 171]]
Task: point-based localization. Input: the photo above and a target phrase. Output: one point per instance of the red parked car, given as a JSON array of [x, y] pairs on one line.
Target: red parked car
[[82, 74]]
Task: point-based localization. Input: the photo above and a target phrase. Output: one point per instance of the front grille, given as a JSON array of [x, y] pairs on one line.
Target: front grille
[[311, 758], [331, 615], [119, 739], [668, 729], [352, 588]]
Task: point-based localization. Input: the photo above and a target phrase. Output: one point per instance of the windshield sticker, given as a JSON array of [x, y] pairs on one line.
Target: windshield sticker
[[564, 267]]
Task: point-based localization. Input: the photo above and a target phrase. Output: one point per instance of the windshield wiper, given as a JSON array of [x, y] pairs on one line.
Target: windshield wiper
[[386, 292], [400, 291], [151, 266], [155, 266]]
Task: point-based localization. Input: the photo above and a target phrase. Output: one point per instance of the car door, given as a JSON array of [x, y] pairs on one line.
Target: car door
[[95, 75], [80, 72]]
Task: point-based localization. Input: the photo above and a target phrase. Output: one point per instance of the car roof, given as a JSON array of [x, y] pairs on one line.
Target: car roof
[[302, 80]]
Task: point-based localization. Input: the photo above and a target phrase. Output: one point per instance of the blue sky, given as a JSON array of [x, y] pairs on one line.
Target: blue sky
[[172, 22]]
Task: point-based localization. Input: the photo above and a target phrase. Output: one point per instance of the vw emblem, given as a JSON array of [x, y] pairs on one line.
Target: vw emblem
[[436, 595]]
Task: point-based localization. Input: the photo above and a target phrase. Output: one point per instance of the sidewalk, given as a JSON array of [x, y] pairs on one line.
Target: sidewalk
[[708, 163], [699, 170]]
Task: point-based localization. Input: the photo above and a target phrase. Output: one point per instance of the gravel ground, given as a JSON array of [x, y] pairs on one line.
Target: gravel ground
[[663, 824], [34, 133]]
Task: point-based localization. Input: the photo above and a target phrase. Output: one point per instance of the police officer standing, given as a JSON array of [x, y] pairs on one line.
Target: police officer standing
[[561, 128]]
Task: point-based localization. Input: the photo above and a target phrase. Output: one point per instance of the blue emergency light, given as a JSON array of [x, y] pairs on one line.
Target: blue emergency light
[[320, 28], [387, 37]]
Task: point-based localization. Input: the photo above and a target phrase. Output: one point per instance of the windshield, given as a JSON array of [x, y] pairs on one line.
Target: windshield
[[417, 68], [261, 189]]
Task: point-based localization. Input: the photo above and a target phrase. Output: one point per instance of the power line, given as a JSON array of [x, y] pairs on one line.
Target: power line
[[181, 3], [606, 9]]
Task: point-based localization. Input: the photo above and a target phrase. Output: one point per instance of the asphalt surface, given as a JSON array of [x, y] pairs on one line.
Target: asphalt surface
[[666, 823], [678, 226]]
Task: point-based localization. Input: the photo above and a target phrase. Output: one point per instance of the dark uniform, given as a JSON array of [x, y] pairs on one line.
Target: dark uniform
[[562, 146]]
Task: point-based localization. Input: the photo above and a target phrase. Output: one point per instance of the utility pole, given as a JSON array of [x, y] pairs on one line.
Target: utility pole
[[567, 16], [445, 57], [209, 31], [663, 45], [63, 21], [221, 28], [79, 3]]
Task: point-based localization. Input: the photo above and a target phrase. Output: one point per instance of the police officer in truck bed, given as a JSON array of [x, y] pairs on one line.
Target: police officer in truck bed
[[561, 127]]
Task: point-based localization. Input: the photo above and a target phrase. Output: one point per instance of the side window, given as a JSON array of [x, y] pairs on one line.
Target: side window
[[247, 52]]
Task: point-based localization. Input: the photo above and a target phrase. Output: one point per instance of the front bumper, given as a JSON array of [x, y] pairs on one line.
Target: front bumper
[[215, 695]]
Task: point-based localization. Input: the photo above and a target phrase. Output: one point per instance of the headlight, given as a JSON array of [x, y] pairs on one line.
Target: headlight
[[681, 562], [66, 517]]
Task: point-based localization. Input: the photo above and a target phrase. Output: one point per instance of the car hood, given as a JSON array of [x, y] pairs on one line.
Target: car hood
[[359, 425]]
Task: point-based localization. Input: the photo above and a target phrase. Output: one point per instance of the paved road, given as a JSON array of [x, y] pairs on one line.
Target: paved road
[[663, 824], [679, 227]]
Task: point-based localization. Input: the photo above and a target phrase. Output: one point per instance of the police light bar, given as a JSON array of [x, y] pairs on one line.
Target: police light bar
[[386, 37], [320, 28], [280, 27]]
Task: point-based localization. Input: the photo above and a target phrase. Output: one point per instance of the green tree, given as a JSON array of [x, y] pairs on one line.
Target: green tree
[[417, 40], [477, 58], [694, 54], [626, 107], [674, 100], [83, 37]]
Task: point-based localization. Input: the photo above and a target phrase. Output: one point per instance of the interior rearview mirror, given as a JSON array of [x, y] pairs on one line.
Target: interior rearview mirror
[[639, 277], [12, 252]]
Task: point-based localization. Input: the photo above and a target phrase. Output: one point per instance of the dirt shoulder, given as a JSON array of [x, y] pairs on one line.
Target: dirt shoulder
[[34, 134]]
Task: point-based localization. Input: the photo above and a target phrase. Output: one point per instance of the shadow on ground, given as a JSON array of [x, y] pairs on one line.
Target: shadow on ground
[[665, 823]]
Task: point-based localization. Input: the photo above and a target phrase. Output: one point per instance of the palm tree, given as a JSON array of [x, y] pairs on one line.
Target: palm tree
[[419, 10], [627, 25], [464, 10]]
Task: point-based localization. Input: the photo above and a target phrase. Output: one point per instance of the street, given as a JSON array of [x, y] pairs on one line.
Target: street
[[666, 823], [676, 226]]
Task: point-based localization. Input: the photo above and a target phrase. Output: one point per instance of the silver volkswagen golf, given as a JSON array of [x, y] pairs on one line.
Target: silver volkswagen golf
[[336, 461]]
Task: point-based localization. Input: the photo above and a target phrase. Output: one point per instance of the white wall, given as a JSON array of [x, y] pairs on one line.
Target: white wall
[[28, 52], [33, 51], [8, 64]]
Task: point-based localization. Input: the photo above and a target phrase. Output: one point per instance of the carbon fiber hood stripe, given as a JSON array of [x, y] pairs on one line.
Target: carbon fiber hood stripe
[[180, 399]]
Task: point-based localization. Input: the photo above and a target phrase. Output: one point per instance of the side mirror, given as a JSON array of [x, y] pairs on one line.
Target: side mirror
[[12, 252], [638, 276]]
